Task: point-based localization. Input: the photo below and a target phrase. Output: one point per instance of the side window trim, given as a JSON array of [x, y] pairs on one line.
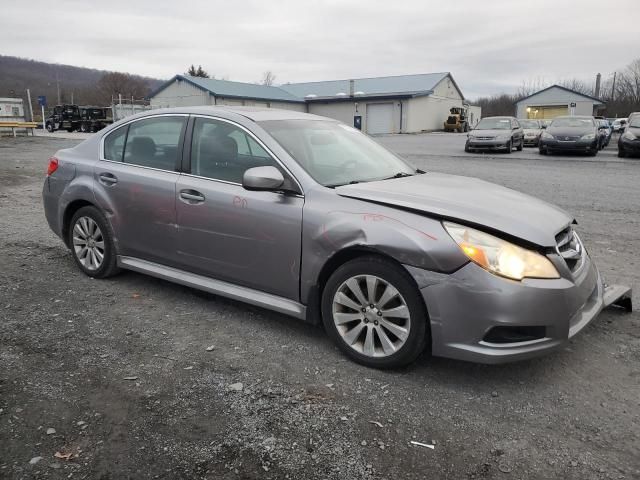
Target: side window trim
[[181, 140], [189, 140]]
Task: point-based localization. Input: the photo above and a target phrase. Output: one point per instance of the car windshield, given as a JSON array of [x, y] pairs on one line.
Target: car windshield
[[335, 154], [494, 124], [528, 124], [572, 122]]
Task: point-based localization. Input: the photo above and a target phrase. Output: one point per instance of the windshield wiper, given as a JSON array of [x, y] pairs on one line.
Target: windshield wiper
[[399, 175], [352, 182]]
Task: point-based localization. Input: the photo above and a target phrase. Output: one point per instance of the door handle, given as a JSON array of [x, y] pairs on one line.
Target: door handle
[[108, 178], [191, 196]]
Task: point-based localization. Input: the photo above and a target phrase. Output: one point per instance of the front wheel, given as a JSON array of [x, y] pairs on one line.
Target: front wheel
[[49, 127], [373, 310], [83, 128], [91, 242], [621, 153], [510, 146], [521, 145]]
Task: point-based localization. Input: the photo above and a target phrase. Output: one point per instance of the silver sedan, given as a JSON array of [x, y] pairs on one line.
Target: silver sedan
[[309, 217]]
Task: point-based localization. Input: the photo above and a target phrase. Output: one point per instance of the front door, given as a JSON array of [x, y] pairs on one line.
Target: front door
[[135, 184], [229, 233]]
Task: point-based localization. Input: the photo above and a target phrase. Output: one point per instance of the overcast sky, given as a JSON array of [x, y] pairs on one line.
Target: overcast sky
[[488, 45]]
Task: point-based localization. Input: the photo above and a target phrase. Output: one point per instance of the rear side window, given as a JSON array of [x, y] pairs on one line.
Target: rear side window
[[155, 142], [114, 144]]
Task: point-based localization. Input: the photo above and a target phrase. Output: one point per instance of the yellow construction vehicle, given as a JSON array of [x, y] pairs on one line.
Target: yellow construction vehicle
[[457, 119]]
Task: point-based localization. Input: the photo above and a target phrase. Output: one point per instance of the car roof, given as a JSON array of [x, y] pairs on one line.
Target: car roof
[[256, 114]]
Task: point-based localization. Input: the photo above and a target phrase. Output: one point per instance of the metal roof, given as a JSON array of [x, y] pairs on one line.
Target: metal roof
[[227, 88], [404, 85], [376, 86]]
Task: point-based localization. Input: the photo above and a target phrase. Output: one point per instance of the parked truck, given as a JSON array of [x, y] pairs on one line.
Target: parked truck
[[457, 119], [73, 117]]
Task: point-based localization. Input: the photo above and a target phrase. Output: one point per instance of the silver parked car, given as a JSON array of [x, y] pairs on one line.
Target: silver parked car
[[309, 217], [532, 131], [495, 133]]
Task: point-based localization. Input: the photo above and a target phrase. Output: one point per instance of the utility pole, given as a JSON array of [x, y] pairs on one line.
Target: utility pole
[[613, 87], [58, 86], [30, 105]]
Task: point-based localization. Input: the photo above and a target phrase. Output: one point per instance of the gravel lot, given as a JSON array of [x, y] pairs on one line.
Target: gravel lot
[[135, 377]]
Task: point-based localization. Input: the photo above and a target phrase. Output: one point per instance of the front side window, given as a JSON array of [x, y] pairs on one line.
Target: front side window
[[154, 142], [222, 151], [114, 144]]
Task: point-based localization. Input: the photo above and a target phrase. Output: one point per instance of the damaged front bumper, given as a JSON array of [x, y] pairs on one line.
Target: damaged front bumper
[[480, 317]]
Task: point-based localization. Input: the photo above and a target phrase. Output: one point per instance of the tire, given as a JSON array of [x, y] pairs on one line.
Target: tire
[[510, 146], [50, 127], [83, 128], [621, 153], [69, 130], [542, 151], [520, 146], [466, 127], [82, 232], [592, 153], [367, 347], [466, 148]]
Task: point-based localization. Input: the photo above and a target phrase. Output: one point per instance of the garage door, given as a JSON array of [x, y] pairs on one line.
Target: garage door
[[380, 118], [548, 112]]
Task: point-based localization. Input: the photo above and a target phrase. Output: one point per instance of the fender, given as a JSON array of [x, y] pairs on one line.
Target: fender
[[409, 238]]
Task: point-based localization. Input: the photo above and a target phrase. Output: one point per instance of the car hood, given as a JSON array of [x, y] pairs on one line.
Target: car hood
[[489, 133], [468, 200], [570, 131]]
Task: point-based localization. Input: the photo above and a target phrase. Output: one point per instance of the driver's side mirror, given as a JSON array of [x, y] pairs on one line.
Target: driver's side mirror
[[266, 178]]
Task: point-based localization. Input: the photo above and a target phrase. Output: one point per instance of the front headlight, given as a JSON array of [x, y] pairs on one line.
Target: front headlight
[[588, 136], [628, 136], [499, 256], [546, 135]]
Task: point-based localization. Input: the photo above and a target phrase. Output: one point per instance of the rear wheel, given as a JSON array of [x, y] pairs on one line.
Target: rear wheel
[[83, 128], [91, 242], [521, 145], [374, 312], [49, 127]]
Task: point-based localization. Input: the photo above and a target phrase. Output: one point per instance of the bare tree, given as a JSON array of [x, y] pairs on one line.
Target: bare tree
[[268, 78], [115, 83]]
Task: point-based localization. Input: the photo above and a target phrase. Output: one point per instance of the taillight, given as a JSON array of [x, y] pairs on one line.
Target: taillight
[[53, 165]]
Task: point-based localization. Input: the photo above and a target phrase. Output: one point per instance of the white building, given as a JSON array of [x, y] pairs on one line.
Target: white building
[[555, 101], [399, 104]]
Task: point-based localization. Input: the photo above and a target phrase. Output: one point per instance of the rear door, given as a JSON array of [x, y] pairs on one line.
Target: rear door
[[229, 233], [135, 184]]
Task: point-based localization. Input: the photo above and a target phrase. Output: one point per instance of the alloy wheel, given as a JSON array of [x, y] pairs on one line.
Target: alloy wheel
[[371, 316], [88, 243]]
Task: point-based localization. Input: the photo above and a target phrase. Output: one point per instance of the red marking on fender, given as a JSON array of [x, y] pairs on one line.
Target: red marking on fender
[[377, 217], [239, 202]]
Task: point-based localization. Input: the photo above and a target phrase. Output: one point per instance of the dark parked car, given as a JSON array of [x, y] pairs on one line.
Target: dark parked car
[[309, 217], [571, 134], [495, 133], [629, 141]]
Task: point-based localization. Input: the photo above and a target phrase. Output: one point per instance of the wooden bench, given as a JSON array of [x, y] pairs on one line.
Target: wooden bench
[[17, 125]]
